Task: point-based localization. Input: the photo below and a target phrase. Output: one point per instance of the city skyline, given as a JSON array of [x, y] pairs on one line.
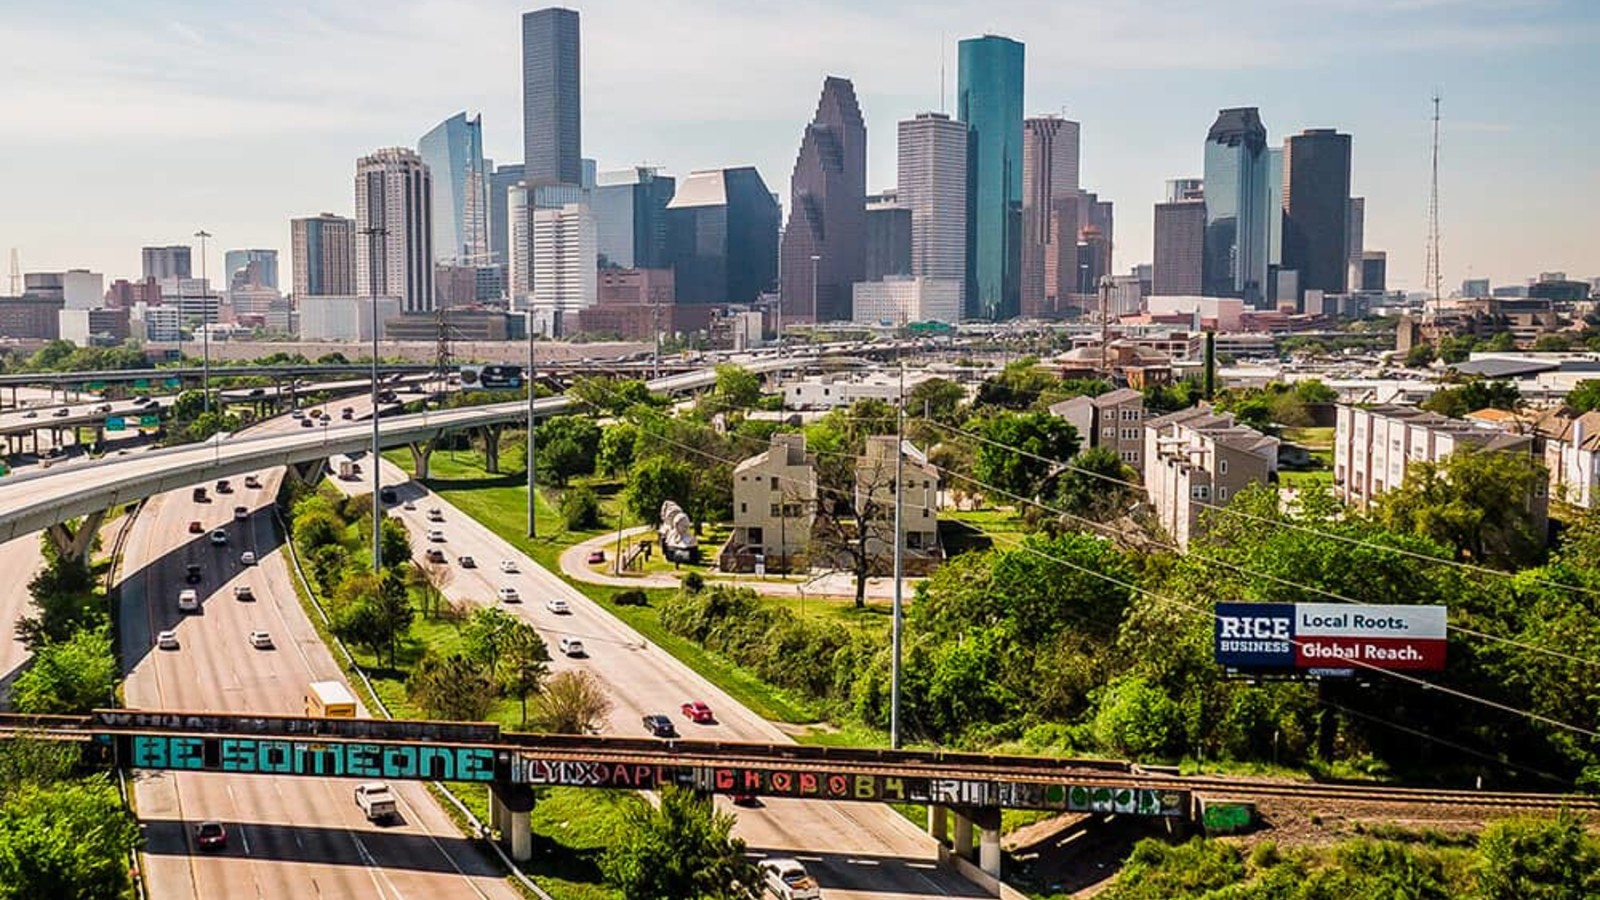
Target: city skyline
[[299, 134]]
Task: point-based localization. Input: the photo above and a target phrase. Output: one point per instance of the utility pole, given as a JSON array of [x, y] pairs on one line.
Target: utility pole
[[372, 233], [1434, 277], [533, 374], [1105, 327], [205, 320], [899, 563]]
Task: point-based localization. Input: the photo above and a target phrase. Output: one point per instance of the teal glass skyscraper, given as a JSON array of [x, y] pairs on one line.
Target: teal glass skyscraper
[[989, 103], [1239, 205]]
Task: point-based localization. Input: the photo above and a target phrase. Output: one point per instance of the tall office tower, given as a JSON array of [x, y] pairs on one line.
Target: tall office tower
[[167, 263], [1181, 189], [888, 237], [1049, 175], [250, 268], [1094, 259], [518, 228], [500, 184], [989, 103], [1374, 270], [564, 275], [1355, 237], [1101, 215], [630, 217], [932, 183], [1316, 176], [1276, 201], [394, 229], [1179, 248], [823, 247], [552, 118], [722, 236], [1236, 197], [453, 153], [322, 250]]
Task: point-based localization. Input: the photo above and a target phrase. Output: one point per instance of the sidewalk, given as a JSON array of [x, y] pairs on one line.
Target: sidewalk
[[831, 584]]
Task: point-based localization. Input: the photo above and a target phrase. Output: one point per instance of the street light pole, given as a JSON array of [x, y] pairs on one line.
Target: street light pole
[[532, 483], [372, 233], [899, 564], [205, 323]]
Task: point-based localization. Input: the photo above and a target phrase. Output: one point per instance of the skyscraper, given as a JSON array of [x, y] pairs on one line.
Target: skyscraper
[[453, 153], [164, 263], [552, 121], [564, 279], [250, 268], [505, 177], [989, 103], [1355, 237], [1049, 175], [933, 185], [1179, 247], [888, 241], [1180, 189], [826, 235], [518, 228], [1237, 199], [393, 196], [630, 217], [322, 251], [1316, 176], [722, 236]]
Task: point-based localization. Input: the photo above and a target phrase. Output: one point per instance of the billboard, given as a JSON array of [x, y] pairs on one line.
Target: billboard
[[1329, 638], [491, 378]]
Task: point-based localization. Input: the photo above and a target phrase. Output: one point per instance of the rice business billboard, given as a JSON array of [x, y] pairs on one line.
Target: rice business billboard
[[1329, 638], [491, 378]]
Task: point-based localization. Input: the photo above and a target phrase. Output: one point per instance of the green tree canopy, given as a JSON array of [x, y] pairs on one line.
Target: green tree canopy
[[655, 481], [682, 849], [1477, 501], [1481, 393], [67, 839], [72, 676], [451, 687], [1008, 458]]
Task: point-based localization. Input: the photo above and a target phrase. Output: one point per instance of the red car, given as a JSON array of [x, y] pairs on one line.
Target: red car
[[210, 836], [195, 527], [699, 713]]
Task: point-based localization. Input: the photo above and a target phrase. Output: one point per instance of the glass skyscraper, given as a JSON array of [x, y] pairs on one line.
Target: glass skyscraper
[[630, 215], [989, 103], [551, 112], [453, 153], [1237, 197]]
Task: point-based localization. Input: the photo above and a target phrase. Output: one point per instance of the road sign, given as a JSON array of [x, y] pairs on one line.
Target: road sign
[[97, 385], [148, 421], [172, 382], [141, 383], [116, 423]]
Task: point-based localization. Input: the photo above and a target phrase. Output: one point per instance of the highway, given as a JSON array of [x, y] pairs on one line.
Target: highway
[[19, 560], [289, 837], [857, 851]]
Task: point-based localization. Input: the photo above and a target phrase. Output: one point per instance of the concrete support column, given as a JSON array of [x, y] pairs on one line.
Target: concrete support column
[[938, 822], [989, 852], [309, 472], [963, 842], [491, 448], [497, 814], [420, 453], [522, 837], [75, 544]]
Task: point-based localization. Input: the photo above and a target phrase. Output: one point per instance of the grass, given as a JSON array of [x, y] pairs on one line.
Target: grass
[[1310, 438]]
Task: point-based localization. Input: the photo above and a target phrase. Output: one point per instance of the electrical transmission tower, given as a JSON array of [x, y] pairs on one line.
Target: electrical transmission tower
[[1434, 276], [442, 355]]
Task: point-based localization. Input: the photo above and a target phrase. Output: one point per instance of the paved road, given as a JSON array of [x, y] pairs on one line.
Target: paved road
[[857, 851], [290, 837], [19, 560]]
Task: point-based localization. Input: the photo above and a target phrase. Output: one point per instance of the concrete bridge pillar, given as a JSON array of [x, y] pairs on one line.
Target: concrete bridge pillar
[[309, 472], [963, 840], [420, 454], [75, 544], [511, 804], [521, 837], [989, 852], [938, 822], [491, 448]]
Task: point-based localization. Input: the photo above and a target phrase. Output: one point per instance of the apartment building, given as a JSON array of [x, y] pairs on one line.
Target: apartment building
[[919, 505], [774, 508], [1114, 420], [1572, 455], [1196, 459]]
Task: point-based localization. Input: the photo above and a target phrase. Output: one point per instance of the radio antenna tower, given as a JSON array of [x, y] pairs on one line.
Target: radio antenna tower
[[442, 355], [1434, 277], [16, 274]]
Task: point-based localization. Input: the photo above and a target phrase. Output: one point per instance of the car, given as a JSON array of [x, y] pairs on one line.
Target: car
[[210, 835], [436, 536], [307, 423], [167, 640], [788, 880], [466, 562], [435, 514], [219, 538], [699, 713], [597, 556], [297, 413], [347, 413], [409, 505], [243, 592], [191, 573], [31, 414], [558, 605], [261, 640], [252, 482], [508, 594], [744, 800], [240, 513], [434, 555], [247, 558], [199, 495], [659, 726], [571, 646], [388, 495], [61, 413], [224, 486], [509, 566], [195, 527]]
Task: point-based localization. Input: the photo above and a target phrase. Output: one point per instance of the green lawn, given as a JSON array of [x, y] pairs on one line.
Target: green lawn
[[1310, 438]]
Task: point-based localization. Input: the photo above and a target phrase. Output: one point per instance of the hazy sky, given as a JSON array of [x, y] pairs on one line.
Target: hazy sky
[[129, 123]]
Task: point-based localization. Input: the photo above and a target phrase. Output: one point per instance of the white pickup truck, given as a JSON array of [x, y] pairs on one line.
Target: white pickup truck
[[376, 801], [787, 879]]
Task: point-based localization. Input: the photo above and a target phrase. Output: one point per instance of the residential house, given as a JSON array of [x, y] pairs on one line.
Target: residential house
[[919, 506], [1113, 420], [1572, 455], [774, 507], [1197, 459]]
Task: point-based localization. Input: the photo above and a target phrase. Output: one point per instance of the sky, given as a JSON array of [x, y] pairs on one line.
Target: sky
[[125, 123]]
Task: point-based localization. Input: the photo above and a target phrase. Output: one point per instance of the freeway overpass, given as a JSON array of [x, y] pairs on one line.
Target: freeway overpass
[[48, 499]]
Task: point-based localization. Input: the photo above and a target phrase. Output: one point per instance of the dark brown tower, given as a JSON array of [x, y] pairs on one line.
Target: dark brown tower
[[827, 211]]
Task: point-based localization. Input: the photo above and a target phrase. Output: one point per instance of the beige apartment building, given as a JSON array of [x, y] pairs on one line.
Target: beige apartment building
[[1114, 420], [1196, 459], [774, 508], [919, 505]]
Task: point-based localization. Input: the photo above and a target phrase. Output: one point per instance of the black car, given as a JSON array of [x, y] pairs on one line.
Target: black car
[[660, 726], [388, 495], [191, 573]]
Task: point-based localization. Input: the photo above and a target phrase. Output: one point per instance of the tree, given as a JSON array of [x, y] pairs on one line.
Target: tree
[[373, 611], [1477, 394], [1476, 501], [486, 634], [1420, 356], [580, 509], [63, 597], [73, 676], [396, 543], [1538, 860], [736, 388], [611, 396], [430, 579], [1136, 720], [453, 688], [1095, 487], [1020, 385], [573, 702], [939, 399], [616, 447], [1009, 456], [67, 839], [524, 665], [567, 446], [683, 849], [1585, 397], [655, 481], [1553, 343]]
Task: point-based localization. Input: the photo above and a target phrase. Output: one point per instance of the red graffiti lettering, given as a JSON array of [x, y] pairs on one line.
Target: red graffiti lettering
[[838, 786], [808, 784], [782, 782], [752, 780], [641, 776], [619, 776], [723, 778]]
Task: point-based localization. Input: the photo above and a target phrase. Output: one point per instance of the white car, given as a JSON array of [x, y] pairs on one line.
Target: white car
[[167, 640], [435, 514], [570, 645], [558, 605], [508, 566], [508, 594], [261, 640], [436, 536], [409, 505], [788, 880], [219, 538], [247, 558], [243, 592]]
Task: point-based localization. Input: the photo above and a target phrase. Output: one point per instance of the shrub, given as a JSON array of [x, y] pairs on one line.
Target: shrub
[[631, 597], [580, 509]]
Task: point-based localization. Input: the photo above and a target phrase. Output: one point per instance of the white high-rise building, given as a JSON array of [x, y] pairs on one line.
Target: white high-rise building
[[933, 185], [394, 229], [564, 276], [519, 268], [1355, 235]]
